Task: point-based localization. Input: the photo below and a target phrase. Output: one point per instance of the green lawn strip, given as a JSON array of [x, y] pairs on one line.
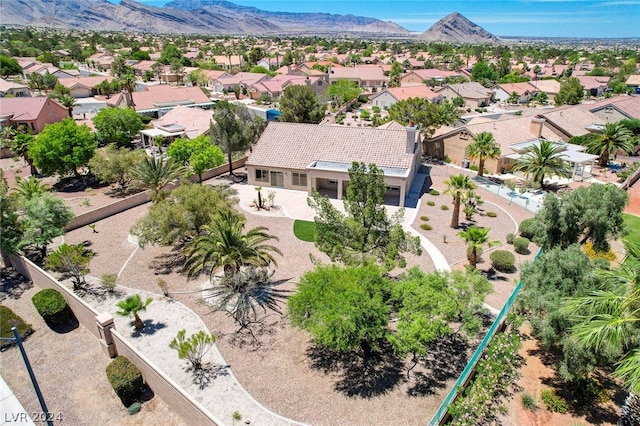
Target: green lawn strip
[[9, 319], [632, 224], [305, 230]]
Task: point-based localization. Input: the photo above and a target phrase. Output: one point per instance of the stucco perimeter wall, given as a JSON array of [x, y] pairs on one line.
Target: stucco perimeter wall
[[138, 199], [85, 314], [161, 384], [164, 387]]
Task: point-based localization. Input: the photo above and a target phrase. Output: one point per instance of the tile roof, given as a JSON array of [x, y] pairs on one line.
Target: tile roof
[[629, 104], [24, 108], [572, 119], [89, 82], [593, 82], [633, 80], [295, 146], [430, 73], [361, 73], [519, 88], [547, 86], [195, 121], [406, 92], [166, 93], [8, 85], [471, 90]]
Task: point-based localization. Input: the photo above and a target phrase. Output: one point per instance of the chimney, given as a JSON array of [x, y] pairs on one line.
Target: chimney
[[537, 123], [411, 137]]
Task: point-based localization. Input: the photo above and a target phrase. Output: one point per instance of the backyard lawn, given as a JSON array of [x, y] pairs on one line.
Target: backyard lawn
[[305, 230], [633, 226]]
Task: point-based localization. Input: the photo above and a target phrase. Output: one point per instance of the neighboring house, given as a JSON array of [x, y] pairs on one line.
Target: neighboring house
[[594, 86], [276, 85], [311, 156], [32, 112], [391, 95], [11, 88], [616, 108], [571, 120], [234, 61], [633, 83], [180, 122], [367, 77], [141, 66], [475, 95], [508, 131], [417, 77], [84, 87], [158, 100], [525, 91], [240, 80], [267, 63], [550, 87], [213, 75]]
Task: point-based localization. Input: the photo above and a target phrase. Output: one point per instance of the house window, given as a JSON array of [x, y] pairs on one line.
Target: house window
[[299, 179], [464, 135], [262, 175], [506, 161]]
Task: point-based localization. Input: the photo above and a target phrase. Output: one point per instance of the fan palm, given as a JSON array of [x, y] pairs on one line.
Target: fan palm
[[609, 319], [130, 307], [27, 189], [225, 246], [614, 137], [456, 186], [543, 159], [475, 237], [155, 173], [484, 146]]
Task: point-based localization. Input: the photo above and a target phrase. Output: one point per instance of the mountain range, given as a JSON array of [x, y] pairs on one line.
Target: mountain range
[[184, 16]]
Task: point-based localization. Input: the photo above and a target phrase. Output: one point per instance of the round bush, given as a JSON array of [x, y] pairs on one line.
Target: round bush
[[424, 218], [510, 238], [426, 227], [134, 408], [521, 245], [444, 207], [431, 203], [527, 228], [126, 380], [492, 214], [51, 306], [434, 192], [503, 260]]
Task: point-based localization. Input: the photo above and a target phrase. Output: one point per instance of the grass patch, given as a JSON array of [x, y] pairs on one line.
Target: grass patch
[[305, 230], [9, 319], [632, 223]]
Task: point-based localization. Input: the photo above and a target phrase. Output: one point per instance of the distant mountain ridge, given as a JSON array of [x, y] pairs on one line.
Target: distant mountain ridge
[[183, 16], [455, 28]]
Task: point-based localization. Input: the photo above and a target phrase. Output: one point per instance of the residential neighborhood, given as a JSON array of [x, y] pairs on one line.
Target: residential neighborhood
[[287, 230]]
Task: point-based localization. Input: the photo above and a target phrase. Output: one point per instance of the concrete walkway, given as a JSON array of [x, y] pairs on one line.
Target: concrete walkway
[[293, 204], [12, 412]]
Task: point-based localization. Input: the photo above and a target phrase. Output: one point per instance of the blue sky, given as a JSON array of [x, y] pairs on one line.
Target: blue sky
[[551, 18]]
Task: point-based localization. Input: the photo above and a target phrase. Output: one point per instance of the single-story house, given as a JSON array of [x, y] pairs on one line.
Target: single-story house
[[11, 88], [32, 112], [427, 75], [594, 86], [160, 99], [550, 87], [475, 95], [241, 80], [633, 83], [311, 156], [524, 90], [83, 87], [367, 77], [180, 122], [391, 95], [616, 108]]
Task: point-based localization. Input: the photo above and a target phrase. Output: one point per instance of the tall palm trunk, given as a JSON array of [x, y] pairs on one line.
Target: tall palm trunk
[[481, 166], [139, 325], [455, 217]]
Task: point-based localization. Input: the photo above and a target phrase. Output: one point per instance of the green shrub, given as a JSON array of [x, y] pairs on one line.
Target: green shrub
[[527, 228], [51, 306], [444, 207], [431, 203], [492, 214], [473, 167], [528, 401], [424, 218], [9, 319], [553, 402], [502, 260], [434, 192], [426, 227], [126, 380], [134, 408], [510, 237], [521, 245]]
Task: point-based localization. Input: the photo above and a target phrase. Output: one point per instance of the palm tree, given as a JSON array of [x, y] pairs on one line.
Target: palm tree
[[225, 246], [130, 307], [447, 114], [154, 174], [484, 146], [456, 186], [20, 146], [27, 189], [609, 319], [475, 237], [543, 159], [614, 137], [67, 101]]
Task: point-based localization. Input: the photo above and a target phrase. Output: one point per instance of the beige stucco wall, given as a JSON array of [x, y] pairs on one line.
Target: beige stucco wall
[[455, 147]]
